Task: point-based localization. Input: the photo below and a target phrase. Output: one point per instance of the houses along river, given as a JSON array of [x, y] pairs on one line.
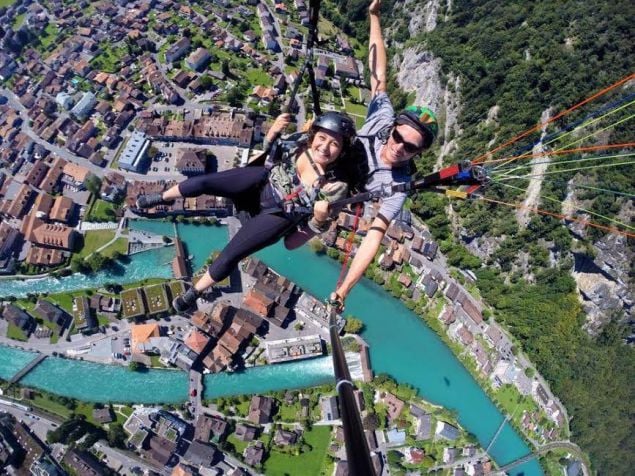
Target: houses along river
[[401, 345]]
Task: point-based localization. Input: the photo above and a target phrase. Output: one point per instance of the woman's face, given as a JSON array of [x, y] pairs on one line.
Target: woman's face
[[326, 147]]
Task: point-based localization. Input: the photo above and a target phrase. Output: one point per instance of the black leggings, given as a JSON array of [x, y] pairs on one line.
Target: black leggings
[[243, 186]]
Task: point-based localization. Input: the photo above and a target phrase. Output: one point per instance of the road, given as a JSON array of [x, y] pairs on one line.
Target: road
[[40, 423]]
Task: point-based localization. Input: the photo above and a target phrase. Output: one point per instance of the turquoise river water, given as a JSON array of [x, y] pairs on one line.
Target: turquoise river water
[[401, 345]]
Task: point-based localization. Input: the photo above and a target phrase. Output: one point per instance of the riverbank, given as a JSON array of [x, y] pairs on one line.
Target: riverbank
[[405, 349]]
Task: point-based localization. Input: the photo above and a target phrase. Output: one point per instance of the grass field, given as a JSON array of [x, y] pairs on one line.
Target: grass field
[[51, 406], [356, 109], [514, 403], [94, 240], [102, 211], [258, 77], [18, 21], [14, 332], [120, 246], [239, 445], [6, 3], [311, 462], [110, 59]]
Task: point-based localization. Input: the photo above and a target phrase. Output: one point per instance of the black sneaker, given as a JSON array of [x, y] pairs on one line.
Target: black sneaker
[[151, 200], [186, 301]]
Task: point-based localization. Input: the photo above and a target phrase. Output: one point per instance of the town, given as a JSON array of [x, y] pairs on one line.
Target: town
[[101, 102]]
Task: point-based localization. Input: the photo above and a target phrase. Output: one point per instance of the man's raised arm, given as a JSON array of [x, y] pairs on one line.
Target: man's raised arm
[[376, 51]]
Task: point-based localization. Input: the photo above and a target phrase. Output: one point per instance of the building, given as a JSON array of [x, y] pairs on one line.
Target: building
[[18, 318], [447, 431], [423, 423], [200, 454], [49, 235], [51, 313], [346, 67], [177, 50], [285, 437], [191, 162], [245, 432], [75, 176], [134, 157], [254, 454], [65, 100], [84, 319], [260, 409], [84, 106], [198, 59], [330, 409], [62, 209], [140, 334], [102, 415]]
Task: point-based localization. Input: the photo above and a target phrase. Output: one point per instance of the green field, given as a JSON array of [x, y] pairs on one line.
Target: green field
[[239, 445], [110, 58], [6, 3], [258, 77], [18, 21], [120, 245], [50, 406], [311, 462], [14, 332], [94, 240], [356, 109], [102, 211]]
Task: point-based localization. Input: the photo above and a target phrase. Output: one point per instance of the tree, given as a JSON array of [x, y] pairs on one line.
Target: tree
[[317, 246], [371, 422], [353, 325], [117, 436], [93, 184], [136, 366]]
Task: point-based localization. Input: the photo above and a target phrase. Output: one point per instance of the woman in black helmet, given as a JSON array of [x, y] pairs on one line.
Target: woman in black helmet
[[289, 192]]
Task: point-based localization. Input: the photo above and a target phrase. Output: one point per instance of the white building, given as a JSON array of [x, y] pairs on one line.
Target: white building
[[133, 158]]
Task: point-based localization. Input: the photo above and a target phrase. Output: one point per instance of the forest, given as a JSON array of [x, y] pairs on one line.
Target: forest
[[526, 58]]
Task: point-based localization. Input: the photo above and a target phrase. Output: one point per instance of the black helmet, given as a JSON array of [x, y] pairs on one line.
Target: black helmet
[[337, 123]]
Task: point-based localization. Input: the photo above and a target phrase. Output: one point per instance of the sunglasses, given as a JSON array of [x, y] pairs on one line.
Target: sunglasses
[[409, 147]]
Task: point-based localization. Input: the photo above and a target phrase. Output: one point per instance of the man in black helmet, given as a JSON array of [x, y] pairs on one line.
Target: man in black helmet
[[288, 191], [390, 142]]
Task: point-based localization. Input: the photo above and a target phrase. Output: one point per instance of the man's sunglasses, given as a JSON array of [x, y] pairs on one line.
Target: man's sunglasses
[[409, 147]]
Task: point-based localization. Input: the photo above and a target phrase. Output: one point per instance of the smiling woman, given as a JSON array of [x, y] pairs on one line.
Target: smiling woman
[[286, 191]]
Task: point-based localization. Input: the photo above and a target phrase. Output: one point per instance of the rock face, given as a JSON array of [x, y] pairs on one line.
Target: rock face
[[423, 16], [603, 282], [420, 72]]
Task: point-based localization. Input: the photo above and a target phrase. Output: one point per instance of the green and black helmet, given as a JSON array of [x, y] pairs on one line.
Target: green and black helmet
[[423, 119]]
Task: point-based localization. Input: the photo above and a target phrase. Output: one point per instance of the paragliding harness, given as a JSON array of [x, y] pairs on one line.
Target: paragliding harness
[[291, 196]]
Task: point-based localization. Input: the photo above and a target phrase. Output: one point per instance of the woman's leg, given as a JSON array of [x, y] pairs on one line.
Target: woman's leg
[[233, 183], [228, 183], [257, 233]]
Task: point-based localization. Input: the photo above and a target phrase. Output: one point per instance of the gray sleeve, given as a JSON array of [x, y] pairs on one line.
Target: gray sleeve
[[379, 115], [391, 206]]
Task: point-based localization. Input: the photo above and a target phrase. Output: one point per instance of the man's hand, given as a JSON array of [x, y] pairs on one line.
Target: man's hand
[[374, 7], [278, 127], [336, 302], [321, 211]]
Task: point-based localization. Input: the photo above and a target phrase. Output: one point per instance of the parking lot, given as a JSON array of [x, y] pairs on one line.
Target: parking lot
[[168, 153]]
